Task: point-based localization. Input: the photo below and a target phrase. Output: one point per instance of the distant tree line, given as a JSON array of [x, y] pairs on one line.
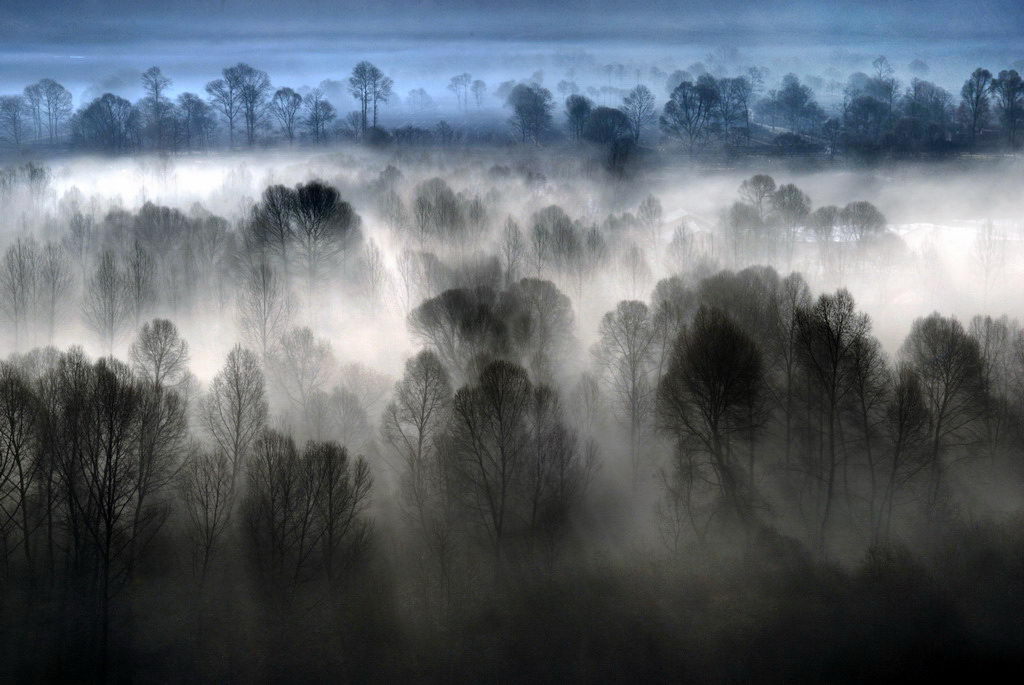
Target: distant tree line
[[876, 114]]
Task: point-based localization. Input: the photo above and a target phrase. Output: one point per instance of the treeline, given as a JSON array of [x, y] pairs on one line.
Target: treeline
[[868, 116]]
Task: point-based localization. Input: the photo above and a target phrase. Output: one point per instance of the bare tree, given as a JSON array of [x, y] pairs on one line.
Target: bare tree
[[56, 107], [285, 107], [106, 306], [625, 355], [948, 363], [558, 468], [110, 476], [140, 282], [206, 489], [551, 339], [234, 411], [1008, 91], [225, 97], [369, 86], [304, 513], [278, 512], [319, 113], [479, 90], [906, 431], [826, 335], [14, 113], [975, 97], [302, 366], [19, 468], [251, 87], [264, 307], [340, 487], [197, 121], [512, 250], [577, 111], [155, 84], [460, 86], [711, 398], [757, 191], [413, 426], [688, 113], [638, 106], [54, 286], [324, 226], [490, 447], [18, 286], [271, 225], [159, 355], [33, 95]]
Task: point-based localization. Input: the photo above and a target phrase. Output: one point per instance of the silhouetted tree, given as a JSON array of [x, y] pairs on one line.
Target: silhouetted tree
[[155, 85], [625, 355], [531, 111], [826, 335], [264, 307], [975, 99], [234, 411], [948, 363], [252, 89], [688, 113], [159, 355], [225, 97], [638, 107], [14, 120], [577, 111], [1008, 89], [106, 306], [285, 107], [710, 399], [369, 86]]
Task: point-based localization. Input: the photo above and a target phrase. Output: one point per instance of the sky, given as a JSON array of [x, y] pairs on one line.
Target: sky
[[94, 46]]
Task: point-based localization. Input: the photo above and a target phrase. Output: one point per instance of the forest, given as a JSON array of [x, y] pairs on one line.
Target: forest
[[480, 414], [706, 368]]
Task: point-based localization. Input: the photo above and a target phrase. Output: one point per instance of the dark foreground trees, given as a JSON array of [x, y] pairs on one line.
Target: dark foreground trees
[[711, 399], [98, 476]]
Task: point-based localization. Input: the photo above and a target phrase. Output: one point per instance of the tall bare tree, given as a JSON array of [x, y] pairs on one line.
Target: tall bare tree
[[285, 107], [264, 307], [234, 411], [159, 355], [712, 399], [205, 486], [19, 281], [625, 356], [106, 306]]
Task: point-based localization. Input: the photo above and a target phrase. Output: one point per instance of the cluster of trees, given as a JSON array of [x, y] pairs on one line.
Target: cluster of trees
[[766, 379], [874, 115], [771, 220], [243, 101], [100, 458], [703, 112]]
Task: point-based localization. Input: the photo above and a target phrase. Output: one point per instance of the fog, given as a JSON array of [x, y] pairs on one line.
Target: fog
[[937, 210], [449, 342]]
